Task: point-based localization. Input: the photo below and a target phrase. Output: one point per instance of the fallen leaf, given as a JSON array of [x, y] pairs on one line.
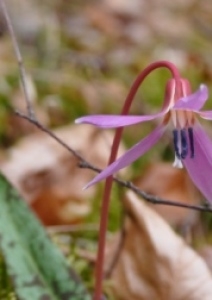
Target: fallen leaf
[[155, 263], [162, 180], [48, 176], [206, 253]]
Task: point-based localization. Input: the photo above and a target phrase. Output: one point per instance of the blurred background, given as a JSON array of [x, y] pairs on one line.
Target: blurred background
[[81, 58]]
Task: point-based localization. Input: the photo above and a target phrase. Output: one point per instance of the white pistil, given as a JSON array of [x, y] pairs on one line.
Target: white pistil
[[177, 163]]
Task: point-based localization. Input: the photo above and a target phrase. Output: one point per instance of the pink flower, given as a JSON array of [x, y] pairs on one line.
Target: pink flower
[[180, 111]]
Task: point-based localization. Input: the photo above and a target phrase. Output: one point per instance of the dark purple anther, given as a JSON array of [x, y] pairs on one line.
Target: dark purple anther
[[184, 144], [175, 140], [191, 141]]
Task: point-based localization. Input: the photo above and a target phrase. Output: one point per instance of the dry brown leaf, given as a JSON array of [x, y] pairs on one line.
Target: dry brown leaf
[[155, 263], [48, 176], [206, 253], [164, 181]]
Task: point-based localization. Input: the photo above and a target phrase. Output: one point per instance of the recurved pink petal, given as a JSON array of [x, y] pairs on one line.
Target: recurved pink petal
[[115, 121], [207, 114], [200, 166], [195, 101], [131, 155]]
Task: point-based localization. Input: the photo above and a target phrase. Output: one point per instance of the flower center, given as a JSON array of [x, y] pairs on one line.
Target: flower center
[[182, 121], [183, 142]]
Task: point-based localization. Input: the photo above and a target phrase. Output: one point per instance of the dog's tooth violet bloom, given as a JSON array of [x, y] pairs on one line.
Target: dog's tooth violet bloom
[[180, 111]]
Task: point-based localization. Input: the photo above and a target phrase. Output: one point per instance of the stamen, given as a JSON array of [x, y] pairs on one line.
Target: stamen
[[177, 163], [175, 140], [191, 141], [184, 144]]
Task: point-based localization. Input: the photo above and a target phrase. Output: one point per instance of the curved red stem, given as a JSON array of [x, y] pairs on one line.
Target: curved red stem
[[109, 180]]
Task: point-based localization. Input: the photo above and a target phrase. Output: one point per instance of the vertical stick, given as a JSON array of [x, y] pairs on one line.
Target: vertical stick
[[19, 59]]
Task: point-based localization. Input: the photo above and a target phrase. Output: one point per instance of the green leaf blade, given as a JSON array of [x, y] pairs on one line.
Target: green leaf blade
[[38, 269]]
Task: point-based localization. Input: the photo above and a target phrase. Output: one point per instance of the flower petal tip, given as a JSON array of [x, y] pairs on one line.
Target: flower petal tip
[[203, 87], [85, 187], [89, 184], [77, 121]]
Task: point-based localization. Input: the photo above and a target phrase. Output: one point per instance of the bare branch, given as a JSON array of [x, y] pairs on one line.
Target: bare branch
[[19, 59], [148, 197], [127, 184]]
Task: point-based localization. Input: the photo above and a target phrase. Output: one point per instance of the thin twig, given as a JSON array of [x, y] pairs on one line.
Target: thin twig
[[19, 59], [127, 184], [148, 197]]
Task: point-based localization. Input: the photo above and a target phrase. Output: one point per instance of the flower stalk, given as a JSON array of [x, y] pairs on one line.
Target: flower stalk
[[109, 180]]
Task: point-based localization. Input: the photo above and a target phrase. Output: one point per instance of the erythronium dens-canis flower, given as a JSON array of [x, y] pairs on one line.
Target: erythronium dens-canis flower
[[192, 146]]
